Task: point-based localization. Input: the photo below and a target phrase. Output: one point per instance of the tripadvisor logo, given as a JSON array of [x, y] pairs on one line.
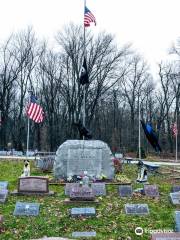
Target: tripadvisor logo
[[139, 231]]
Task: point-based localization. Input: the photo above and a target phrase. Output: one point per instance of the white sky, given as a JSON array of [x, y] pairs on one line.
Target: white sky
[[151, 25]]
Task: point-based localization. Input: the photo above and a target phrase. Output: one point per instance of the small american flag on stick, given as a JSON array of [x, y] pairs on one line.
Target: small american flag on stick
[[34, 111], [174, 129], [88, 17]]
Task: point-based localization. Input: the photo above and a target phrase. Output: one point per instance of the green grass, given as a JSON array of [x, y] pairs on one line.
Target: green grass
[[110, 222]]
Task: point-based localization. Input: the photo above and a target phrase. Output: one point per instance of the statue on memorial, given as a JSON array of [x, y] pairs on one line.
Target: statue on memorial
[[83, 131], [142, 172], [26, 169], [85, 179]]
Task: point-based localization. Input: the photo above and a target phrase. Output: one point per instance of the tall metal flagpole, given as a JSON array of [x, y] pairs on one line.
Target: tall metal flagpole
[[176, 131], [27, 146], [84, 100], [139, 130]]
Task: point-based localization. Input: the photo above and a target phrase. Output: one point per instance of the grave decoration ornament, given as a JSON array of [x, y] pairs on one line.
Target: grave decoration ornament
[[26, 169], [142, 172]]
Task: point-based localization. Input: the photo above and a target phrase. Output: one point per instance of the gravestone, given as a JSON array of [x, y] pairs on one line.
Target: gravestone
[[177, 220], [82, 193], [3, 185], [125, 190], [99, 189], [33, 185], [86, 212], [69, 186], [83, 234], [151, 190], [175, 198], [1, 219], [165, 236], [3, 195], [26, 209], [74, 157], [46, 163], [176, 188], [137, 209]]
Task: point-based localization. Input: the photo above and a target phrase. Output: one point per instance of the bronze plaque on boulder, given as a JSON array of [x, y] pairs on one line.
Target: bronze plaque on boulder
[[33, 185], [82, 193]]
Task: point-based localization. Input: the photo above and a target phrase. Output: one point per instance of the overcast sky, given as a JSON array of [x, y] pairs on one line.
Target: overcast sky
[[151, 25]]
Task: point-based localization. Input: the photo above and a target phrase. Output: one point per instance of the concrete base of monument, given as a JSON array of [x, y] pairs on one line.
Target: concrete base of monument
[[15, 192], [69, 201]]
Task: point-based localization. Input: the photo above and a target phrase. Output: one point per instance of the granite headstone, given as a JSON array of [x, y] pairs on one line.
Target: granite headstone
[[151, 190], [3, 195], [176, 188], [137, 209], [177, 220], [125, 190], [33, 184], [86, 212], [26, 209], [74, 157], [175, 198], [82, 193], [83, 234], [99, 189], [3, 185]]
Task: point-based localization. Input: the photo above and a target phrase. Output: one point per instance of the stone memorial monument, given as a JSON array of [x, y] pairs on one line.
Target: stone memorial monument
[[33, 185], [151, 190], [83, 234], [3, 185], [86, 212], [3, 195], [136, 209], [175, 198], [26, 209], [177, 220], [125, 190], [74, 157]]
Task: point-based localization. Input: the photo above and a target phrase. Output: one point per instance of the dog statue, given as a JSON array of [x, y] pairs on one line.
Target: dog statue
[[26, 169], [83, 131]]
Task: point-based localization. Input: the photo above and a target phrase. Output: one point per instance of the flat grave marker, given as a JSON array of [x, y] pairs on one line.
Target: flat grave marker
[[26, 209], [83, 234], [137, 209], [99, 189], [151, 190], [33, 185], [3, 195], [3, 185], [125, 190], [82, 193], [177, 220], [175, 198], [176, 188], [69, 186], [165, 236], [86, 212]]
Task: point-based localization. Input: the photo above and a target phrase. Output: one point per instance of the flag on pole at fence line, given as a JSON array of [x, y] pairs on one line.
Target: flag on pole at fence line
[[174, 129], [88, 17], [84, 78], [34, 111]]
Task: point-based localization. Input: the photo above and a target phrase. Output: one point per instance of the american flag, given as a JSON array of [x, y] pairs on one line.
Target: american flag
[[174, 129], [88, 17], [34, 111]]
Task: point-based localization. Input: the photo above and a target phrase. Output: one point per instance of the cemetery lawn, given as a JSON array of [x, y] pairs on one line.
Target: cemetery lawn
[[110, 222]]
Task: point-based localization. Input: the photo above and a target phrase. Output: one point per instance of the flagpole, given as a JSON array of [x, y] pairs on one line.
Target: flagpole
[[28, 125], [84, 100], [176, 131], [139, 131]]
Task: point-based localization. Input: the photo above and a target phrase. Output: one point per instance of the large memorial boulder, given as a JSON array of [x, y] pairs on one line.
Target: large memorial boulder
[[74, 157]]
